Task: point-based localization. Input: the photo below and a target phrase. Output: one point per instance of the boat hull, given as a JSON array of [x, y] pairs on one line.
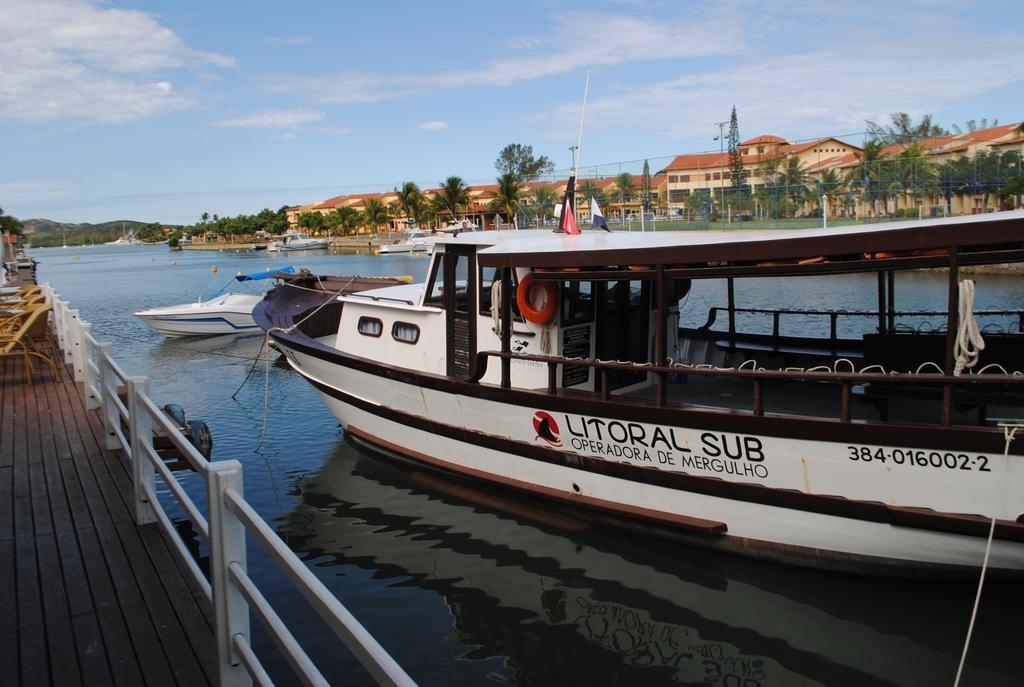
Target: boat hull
[[739, 509]]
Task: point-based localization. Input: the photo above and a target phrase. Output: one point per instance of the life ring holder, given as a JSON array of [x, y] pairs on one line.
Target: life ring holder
[[545, 315]]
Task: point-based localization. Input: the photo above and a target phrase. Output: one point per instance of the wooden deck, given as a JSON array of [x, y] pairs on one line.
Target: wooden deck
[[86, 596]]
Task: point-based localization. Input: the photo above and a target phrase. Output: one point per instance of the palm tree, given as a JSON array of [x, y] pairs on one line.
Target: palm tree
[[375, 213], [624, 184], [348, 218], [867, 173], [545, 197], [828, 187], [794, 179], [509, 196], [410, 200], [590, 192], [453, 196], [914, 170]]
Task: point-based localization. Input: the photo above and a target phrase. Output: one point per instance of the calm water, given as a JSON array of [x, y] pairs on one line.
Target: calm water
[[465, 586]]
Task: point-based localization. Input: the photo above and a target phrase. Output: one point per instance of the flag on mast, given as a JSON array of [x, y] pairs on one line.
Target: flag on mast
[[599, 222], [569, 223]]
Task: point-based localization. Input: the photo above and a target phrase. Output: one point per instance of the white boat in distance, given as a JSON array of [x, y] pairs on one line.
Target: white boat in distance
[[416, 241], [294, 240], [554, 365], [125, 240]]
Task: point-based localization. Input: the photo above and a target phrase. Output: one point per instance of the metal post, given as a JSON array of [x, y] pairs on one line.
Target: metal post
[[227, 546], [506, 327], [75, 345], [108, 389], [732, 306], [661, 344], [91, 379], [881, 302], [890, 297], [141, 433]]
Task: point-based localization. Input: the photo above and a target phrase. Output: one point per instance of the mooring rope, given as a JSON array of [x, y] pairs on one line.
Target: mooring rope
[[1008, 433]]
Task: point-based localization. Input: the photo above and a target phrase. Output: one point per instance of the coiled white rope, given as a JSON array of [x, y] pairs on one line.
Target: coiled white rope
[[1009, 433], [969, 343]]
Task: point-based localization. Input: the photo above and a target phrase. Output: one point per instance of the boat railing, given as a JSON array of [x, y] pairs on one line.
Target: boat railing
[[835, 315], [758, 377], [129, 418]]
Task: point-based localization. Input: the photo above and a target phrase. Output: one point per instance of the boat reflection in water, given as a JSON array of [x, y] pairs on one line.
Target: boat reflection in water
[[558, 600]]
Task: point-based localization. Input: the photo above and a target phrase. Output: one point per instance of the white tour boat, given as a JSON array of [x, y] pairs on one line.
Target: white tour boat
[[554, 365]]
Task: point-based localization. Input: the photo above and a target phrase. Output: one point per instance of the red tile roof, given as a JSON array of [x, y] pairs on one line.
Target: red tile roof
[[765, 138]]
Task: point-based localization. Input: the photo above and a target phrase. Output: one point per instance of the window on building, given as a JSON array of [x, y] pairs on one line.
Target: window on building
[[707, 177], [684, 178], [370, 326], [673, 179], [677, 195]]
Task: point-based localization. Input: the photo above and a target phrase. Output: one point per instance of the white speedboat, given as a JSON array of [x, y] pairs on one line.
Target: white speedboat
[[229, 313], [417, 241], [554, 365], [294, 240]]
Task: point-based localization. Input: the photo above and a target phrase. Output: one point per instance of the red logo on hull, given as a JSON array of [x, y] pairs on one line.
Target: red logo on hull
[[546, 428]]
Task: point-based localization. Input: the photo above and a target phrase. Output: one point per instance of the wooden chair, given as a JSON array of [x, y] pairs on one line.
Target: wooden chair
[[31, 340]]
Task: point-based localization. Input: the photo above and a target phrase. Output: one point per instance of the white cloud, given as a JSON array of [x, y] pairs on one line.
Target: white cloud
[[619, 39], [72, 59], [288, 40], [803, 94], [276, 119], [19, 192], [433, 126]]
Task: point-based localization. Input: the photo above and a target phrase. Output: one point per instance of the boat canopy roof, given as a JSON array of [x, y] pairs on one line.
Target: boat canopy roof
[[598, 248], [256, 276]]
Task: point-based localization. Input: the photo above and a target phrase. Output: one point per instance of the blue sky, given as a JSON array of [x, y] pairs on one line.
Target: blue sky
[[164, 110]]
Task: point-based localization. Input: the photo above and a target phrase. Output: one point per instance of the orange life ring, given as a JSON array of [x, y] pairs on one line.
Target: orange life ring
[[545, 314]]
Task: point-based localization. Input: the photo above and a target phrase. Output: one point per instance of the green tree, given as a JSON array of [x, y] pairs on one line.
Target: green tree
[[453, 197], [518, 159], [829, 187], [545, 197], [11, 224], [645, 187], [410, 200], [375, 213], [735, 160], [914, 171], [509, 197], [348, 219], [625, 191], [794, 179], [590, 191], [903, 130], [867, 174], [312, 222]]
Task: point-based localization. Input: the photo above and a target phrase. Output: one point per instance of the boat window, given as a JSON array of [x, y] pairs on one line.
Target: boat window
[[461, 280], [487, 277], [577, 302], [405, 332], [370, 326], [435, 285]]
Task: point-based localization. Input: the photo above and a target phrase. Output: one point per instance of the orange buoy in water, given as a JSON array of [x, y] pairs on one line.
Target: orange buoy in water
[[213, 268]]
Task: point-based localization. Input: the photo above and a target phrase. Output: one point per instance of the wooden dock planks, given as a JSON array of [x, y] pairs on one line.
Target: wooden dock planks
[[86, 596]]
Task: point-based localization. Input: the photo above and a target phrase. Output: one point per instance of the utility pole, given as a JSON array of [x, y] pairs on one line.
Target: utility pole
[[721, 160]]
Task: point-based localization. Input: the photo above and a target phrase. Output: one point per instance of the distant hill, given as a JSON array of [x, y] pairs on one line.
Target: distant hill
[[47, 232]]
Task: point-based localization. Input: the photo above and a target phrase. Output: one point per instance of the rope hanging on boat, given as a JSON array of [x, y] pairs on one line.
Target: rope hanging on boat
[[1008, 433], [495, 300], [969, 343]]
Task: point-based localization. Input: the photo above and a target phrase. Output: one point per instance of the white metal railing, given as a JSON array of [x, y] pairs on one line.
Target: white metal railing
[[230, 518]]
